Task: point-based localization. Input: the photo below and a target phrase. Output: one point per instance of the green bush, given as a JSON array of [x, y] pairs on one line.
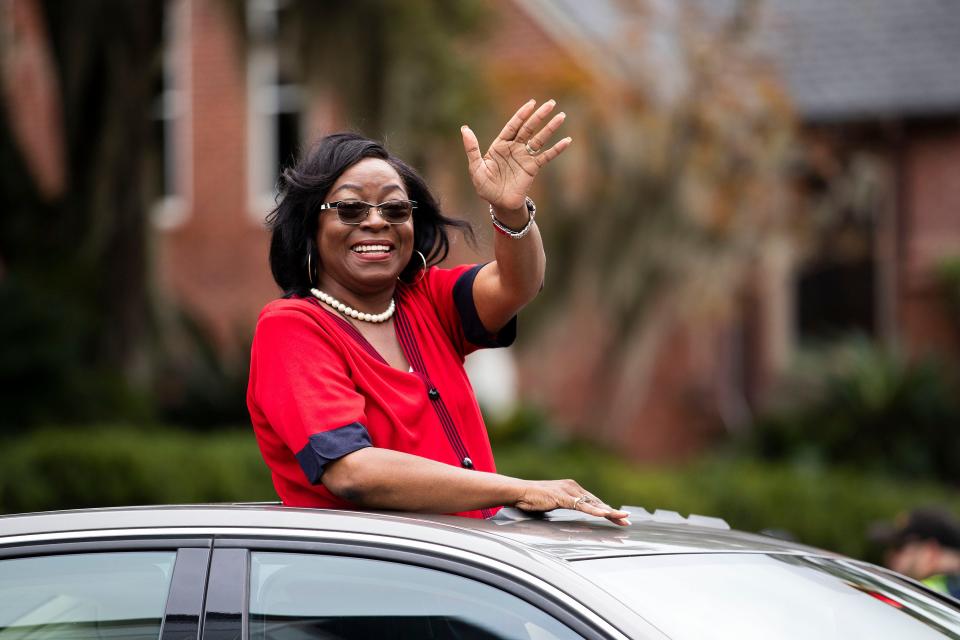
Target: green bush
[[948, 274], [69, 468], [90, 467], [854, 404]]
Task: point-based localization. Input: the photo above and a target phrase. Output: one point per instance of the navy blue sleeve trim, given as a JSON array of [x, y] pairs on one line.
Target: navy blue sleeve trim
[[323, 448], [473, 329]]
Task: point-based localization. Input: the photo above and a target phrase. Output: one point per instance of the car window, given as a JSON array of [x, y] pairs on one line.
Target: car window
[[302, 596], [90, 595], [754, 596]]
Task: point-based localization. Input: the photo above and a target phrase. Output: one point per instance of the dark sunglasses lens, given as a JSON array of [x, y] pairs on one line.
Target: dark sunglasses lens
[[352, 212], [396, 211]]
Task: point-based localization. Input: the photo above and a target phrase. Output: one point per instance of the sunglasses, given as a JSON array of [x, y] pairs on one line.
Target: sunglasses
[[356, 211]]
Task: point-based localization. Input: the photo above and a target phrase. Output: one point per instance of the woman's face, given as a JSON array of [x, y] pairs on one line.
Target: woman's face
[[366, 258]]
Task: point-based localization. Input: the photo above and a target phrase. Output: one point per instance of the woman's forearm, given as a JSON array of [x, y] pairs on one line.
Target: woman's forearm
[[375, 478], [504, 286], [520, 263], [384, 479]]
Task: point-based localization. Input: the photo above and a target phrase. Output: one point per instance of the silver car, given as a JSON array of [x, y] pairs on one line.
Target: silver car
[[266, 571]]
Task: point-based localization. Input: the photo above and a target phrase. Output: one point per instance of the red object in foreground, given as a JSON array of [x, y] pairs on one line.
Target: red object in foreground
[[885, 599]]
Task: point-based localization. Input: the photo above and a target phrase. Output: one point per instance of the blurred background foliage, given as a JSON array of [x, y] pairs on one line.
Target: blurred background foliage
[[853, 404], [399, 53], [948, 273], [679, 182], [75, 324]]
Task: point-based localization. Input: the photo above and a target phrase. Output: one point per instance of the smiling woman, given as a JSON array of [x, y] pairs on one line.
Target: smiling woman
[[357, 390]]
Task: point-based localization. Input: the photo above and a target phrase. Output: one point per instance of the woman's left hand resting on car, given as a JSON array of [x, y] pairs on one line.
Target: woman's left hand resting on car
[[340, 365]]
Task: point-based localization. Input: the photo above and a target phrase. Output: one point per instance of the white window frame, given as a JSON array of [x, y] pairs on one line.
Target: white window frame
[[171, 210], [266, 99]]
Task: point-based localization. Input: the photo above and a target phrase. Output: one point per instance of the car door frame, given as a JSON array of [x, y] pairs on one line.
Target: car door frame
[[188, 583], [228, 602]]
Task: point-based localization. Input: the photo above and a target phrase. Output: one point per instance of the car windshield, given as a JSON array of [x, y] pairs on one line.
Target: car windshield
[[745, 596]]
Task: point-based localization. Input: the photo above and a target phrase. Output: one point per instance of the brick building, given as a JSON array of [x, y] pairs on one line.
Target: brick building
[[876, 84]]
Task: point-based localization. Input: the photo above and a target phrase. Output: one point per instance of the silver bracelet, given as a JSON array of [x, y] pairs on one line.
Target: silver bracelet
[[516, 235]]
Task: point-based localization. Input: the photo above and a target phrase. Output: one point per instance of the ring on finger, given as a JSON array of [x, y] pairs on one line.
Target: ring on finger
[[583, 498], [531, 150]]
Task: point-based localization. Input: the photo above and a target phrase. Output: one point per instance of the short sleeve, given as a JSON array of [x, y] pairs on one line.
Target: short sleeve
[[451, 291], [301, 384]]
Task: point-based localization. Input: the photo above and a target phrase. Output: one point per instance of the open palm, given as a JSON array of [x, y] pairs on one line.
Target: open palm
[[503, 175]]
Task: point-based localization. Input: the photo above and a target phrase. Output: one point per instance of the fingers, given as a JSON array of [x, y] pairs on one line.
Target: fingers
[[602, 510], [534, 122], [472, 147], [510, 130], [588, 503], [554, 151], [622, 522], [538, 139], [567, 494]]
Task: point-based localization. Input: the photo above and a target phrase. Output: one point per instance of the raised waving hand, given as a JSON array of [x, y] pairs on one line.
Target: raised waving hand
[[502, 176]]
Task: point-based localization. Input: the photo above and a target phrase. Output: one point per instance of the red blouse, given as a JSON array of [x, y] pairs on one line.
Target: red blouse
[[318, 390]]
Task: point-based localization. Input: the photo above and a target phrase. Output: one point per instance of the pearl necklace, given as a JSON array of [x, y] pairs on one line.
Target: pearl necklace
[[326, 298]]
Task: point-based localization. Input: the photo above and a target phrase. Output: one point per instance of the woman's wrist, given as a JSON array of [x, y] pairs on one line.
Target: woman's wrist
[[508, 221], [513, 491], [513, 218]]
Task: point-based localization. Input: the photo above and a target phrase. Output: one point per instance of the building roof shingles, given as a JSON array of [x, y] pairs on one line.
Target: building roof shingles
[[841, 59], [854, 59]]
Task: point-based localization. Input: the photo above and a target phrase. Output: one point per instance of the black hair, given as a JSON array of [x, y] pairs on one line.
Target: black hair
[[302, 189]]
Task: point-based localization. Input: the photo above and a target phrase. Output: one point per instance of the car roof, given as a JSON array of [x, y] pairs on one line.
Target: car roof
[[563, 534]]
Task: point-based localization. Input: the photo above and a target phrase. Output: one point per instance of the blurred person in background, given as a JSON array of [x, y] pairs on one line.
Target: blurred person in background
[[924, 544], [357, 391]]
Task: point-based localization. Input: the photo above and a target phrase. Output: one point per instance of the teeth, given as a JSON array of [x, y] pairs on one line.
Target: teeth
[[371, 248]]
